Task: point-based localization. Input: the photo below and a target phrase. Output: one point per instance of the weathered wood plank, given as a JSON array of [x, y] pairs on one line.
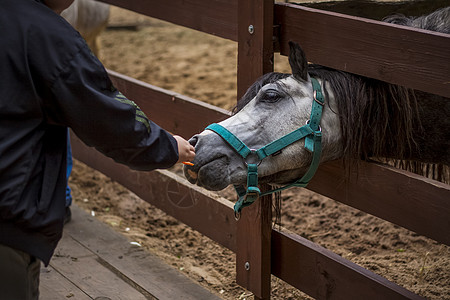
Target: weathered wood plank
[[323, 274], [82, 267], [413, 58], [217, 17], [137, 267], [409, 200], [255, 58], [54, 286], [253, 253]]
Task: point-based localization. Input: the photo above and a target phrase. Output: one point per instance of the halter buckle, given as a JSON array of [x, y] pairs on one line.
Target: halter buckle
[[253, 195], [318, 101]]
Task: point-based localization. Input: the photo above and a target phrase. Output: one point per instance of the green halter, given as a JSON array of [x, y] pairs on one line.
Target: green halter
[[312, 134]]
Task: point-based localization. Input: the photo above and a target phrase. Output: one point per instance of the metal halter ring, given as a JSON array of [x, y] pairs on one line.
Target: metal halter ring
[[307, 122], [253, 151]]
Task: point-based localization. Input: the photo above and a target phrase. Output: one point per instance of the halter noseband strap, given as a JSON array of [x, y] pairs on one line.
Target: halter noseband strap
[[312, 134]]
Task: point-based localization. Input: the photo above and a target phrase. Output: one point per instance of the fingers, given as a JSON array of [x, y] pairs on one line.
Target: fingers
[[186, 151]]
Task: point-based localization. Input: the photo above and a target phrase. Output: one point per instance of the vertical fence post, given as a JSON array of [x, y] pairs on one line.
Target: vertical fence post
[[253, 248], [255, 58], [255, 41]]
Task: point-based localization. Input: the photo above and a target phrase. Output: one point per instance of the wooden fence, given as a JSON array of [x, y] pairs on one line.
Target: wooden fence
[[411, 57]]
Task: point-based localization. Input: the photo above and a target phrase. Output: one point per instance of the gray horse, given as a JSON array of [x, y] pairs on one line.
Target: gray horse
[[362, 118]]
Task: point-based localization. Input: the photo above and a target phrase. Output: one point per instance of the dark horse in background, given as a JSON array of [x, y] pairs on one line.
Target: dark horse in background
[[362, 118]]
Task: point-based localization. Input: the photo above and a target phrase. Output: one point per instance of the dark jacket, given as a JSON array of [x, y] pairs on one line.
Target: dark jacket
[[50, 80]]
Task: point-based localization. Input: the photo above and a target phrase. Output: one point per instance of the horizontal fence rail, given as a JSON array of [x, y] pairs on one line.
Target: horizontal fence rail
[[217, 17], [323, 274], [416, 203]]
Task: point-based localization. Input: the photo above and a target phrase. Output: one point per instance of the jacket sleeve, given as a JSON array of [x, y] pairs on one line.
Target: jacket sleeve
[[84, 99]]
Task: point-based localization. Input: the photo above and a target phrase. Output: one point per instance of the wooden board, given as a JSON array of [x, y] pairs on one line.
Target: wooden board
[[54, 286], [85, 269], [388, 52], [255, 58], [94, 261], [406, 199], [255, 46]]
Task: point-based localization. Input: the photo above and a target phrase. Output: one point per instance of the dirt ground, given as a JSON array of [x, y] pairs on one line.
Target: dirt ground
[[204, 67]]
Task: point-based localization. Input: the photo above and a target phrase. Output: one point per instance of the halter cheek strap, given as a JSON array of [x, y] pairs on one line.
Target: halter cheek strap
[[312, 134]]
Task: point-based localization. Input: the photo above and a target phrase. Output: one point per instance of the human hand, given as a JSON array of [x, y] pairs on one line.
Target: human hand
[[186, 152]]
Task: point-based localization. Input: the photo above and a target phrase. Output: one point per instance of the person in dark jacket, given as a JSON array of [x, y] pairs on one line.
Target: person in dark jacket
[[49, 81]]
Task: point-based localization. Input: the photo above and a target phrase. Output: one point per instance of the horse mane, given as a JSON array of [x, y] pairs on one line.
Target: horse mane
[[438, 21]]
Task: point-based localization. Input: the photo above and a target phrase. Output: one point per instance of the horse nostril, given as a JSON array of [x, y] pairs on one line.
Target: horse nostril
[[193, 140]]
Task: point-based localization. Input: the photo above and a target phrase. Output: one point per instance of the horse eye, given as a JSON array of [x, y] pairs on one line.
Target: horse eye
[[271, 96]]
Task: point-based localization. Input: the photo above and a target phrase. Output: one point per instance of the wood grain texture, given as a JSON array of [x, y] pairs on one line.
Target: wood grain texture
[[255, 58], [101, 262], [217, 17], [409, 200], [323, 274], [54, 286]]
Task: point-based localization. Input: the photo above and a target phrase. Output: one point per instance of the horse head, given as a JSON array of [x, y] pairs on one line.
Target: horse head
[[274, 106]]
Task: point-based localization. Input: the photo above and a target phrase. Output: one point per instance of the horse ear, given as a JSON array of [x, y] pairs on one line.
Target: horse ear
[[298, 62]]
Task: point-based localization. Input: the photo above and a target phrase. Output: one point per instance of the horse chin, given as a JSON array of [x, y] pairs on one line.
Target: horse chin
[[213, 176]]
